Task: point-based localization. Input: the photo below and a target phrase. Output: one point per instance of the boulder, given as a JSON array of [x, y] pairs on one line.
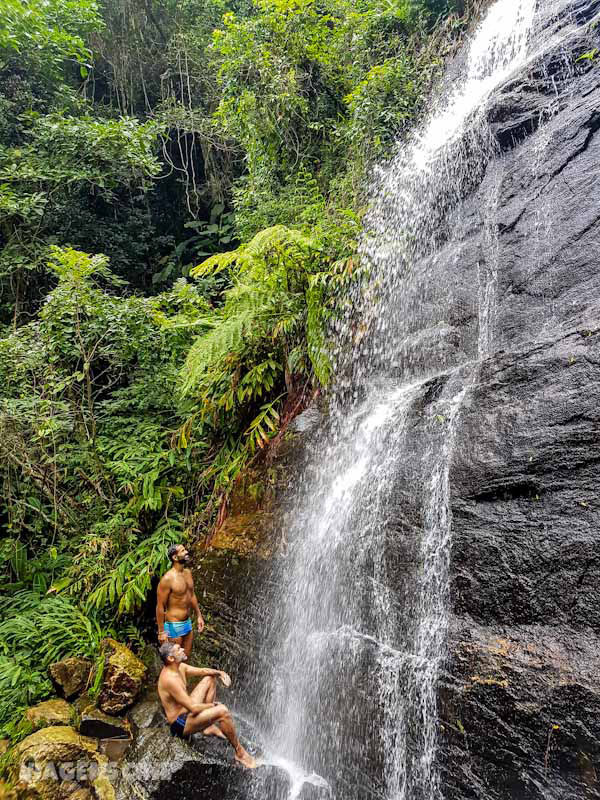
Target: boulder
[[50, 712], [123, 677], [96, 723], [314, 791], [114, 749], [160, 765], [147, 712], [56, 762], [71, 675]]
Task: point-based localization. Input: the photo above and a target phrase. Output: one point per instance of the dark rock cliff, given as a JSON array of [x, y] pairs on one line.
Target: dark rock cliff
[[520, 699]]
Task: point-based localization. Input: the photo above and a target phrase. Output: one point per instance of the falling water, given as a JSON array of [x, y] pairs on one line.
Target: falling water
[[360, 611]]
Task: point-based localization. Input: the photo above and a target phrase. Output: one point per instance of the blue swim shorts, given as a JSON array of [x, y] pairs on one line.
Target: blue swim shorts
[[178, 727], [176, 629]]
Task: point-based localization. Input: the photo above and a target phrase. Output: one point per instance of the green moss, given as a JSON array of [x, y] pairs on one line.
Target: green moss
[[50, 712], [120, 657], [44, 751]]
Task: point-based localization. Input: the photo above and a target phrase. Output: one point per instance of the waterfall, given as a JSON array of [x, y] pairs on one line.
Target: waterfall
[[359, 612]]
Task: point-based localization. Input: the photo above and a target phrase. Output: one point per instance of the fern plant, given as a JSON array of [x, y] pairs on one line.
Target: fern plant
[[127, 584], [268, 315], [36, 631], [267, 341], [48, 628]]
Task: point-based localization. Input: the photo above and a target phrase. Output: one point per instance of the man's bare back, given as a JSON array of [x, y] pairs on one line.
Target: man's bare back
[[198, 711]]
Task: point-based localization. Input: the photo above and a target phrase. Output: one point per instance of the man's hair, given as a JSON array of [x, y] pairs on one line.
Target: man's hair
[[172, 551], [165, 651]]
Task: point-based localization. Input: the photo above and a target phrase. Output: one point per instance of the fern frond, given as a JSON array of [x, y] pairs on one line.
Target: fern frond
[[210, 349], [269, 242], [128, 583], [214, 264]]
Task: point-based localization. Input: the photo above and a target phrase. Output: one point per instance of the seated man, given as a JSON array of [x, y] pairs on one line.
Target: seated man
[[197, 711]]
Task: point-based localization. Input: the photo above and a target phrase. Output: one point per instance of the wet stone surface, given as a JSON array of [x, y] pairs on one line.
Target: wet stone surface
[[160, 765], [520, 699]]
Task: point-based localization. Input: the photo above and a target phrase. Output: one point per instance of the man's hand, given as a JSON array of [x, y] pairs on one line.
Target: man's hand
[[200, 623], [162, 637], [225, 679]]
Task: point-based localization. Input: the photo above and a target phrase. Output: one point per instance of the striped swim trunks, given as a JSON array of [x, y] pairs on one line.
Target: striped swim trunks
[[178, 727], [176, 629]]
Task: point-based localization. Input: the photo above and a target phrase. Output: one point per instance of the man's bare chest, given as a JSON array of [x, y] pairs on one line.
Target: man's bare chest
[[181, 587]]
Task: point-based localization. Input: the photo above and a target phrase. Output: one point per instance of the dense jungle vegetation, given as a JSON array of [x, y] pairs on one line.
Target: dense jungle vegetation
[[180, 202]]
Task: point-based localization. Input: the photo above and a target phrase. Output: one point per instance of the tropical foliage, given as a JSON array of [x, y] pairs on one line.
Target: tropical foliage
[[180, 201]]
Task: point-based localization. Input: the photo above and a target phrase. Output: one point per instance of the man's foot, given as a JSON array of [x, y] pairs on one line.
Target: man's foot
[[245, 759], [214, 730]]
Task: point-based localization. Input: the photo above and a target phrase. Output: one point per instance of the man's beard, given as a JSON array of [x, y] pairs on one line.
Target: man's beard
[[185, 560]]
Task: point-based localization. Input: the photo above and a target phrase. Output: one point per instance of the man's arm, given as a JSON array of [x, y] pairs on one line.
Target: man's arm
[[201, 672], [162, 598], [196, 608], [180, 696]]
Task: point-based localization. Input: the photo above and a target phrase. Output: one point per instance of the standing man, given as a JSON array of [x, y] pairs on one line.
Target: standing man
[[175, 600], [189, 713]]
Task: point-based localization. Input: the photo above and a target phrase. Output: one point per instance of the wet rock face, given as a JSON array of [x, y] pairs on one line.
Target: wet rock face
[[520, 700], [233, 569], [224, 782], [522, 713]]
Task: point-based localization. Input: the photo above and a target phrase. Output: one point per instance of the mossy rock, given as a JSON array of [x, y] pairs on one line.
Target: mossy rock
[[71, 675], [83, 701], [50, 712], [122, 678], [245, 535], [55, 762], [81, 794]]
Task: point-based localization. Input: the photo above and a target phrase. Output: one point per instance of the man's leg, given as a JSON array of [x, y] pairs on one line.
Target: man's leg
[[186, 642], [206, 692], [219, 714]]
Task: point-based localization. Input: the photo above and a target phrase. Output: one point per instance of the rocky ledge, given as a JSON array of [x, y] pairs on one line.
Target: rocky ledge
[[58, 762], [159, 764]]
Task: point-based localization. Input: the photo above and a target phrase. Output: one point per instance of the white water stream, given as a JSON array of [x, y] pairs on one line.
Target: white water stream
[[359, 612]]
